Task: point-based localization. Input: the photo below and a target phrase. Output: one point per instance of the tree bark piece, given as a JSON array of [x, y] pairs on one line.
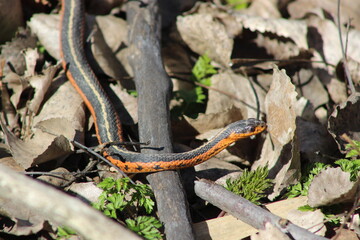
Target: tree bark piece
[[58, 207], [154, 88], [248, 212]]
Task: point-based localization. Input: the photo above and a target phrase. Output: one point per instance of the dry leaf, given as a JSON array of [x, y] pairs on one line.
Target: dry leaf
[[269, 233], [349, 9], [327, 45], [280, 151], [42, 148], [46, 28], [331, 186], [88, 191], [31, 57], [205, 122], [293, 30], [60, 178], [24, 222], [310, 87], [108, 39], [18, 85], [263, 8], [12, 52], [41, 84], [204, 35], [312, 221], [241, 93], [64, 103], [63, 114], [345, 234]]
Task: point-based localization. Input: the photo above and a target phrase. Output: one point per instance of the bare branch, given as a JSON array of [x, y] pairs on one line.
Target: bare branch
[[59, 207]]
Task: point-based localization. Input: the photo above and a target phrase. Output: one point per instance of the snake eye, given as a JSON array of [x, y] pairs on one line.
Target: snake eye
[[250, 129]]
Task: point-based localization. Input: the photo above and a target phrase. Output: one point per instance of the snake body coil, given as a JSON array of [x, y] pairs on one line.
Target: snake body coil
[[107, 122]]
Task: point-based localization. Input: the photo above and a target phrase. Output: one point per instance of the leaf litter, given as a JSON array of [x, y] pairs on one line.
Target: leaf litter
[[302, 93]]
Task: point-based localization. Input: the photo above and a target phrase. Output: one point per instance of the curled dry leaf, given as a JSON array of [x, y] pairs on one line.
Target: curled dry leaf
[[31, 57], [291, 29], [42, 147], [346, 120], [204, 35], [63, 115], [349, 9], [41, 84], [332, 186], [12, 52], [312, 221], [290, 35], [17, 84], [281, 151]]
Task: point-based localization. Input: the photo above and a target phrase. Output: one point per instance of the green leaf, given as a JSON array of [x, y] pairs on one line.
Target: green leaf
[[64, 232], [145, 226], [306, 208]]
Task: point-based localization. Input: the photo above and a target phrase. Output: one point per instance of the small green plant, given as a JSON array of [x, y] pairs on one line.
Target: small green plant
[[121, 194], [65, 233], [145, 226], [328, 215], [192, 101], [302, 188], [351, 162], [133, 93], [125, 201], [251, 184], [238, 4]]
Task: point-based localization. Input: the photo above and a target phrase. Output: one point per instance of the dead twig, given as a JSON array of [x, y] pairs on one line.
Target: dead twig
[[248, 212], [71, 212]]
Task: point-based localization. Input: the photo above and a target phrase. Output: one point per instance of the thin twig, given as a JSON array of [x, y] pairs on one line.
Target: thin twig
[[89, 151], [219, 91], [346, 68]]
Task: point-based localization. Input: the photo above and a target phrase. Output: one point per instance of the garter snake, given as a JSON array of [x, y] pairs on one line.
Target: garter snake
[[107, 122]]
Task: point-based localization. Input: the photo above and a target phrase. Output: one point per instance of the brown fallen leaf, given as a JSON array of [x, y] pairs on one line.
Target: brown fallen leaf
[[269, 233], [23, 222], [12, 51], [204, 35], [310, 87], [312, 221], [281, 151], [46, 28], [59, 177], [332, 186], [349, 9], [241, 93], [41, 84], [42, 147], [88, 190]]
